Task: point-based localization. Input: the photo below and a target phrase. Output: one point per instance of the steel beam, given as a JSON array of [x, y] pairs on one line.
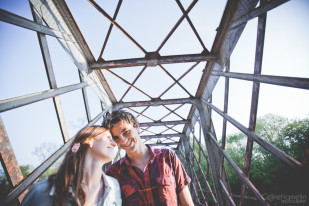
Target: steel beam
[[16, 102], [154, 103], [8, 159], [51, 77], [213, 154], [200, 147], [85, 98], [153, 62], [116, 24], [189, 8], [205, 179], [264, 143], [241, 175], [11, 18], [165, 144], [223, 45], [255, 96], [197, 180], [295, 82], [231, 201], [162, 136], [26, 182], [160, 123], [57, 14], [257, 12]]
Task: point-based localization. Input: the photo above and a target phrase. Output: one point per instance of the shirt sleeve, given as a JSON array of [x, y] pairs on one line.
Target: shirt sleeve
[[181, 177]]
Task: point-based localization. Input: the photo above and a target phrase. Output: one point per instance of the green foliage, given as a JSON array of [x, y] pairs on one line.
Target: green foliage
[[267, 173]]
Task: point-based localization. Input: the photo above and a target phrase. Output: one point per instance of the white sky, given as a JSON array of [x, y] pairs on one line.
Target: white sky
[[22, 72]]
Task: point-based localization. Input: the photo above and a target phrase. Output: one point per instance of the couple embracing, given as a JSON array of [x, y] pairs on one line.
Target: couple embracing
[[144, 176]]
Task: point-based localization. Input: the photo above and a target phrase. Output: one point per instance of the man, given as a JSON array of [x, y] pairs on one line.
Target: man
[[147, 176]]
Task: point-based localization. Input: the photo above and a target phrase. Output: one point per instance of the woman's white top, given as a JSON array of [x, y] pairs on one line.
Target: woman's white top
[[39, 196]]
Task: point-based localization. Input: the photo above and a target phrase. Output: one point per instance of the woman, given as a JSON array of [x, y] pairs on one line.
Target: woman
[[80, 179]]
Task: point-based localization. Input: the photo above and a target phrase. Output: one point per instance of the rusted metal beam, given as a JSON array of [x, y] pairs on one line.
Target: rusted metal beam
[[51, 77], [205, 178], [16, 102], [295, 82], [116, 25], [183, 75], [57, 14], [191, 25], [226, 102], [28, 24], [225, 109], [213, 154], [231, 201], [223, 46], [85, 98], [8, 159], [265, 144], [110, 29], [197, 179], [160, 60], [165, 144], [176, 25], [162, 136], [137, 77], [131, 85], [200, 147], [154, 103], [255, 96], [257, 11], [26, 182], [175, 80], [241, 175], [160, 123]]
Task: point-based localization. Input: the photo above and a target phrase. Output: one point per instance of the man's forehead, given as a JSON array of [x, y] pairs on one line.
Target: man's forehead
[[121, 125]]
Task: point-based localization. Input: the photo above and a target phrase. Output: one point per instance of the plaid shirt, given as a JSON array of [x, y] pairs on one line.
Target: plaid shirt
[[163, 178]]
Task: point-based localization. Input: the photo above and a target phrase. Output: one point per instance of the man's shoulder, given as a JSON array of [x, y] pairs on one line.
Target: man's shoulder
[[163, 151], [113, 168]]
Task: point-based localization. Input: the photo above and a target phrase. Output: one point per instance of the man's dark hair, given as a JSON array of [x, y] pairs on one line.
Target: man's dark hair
[[110, 120]]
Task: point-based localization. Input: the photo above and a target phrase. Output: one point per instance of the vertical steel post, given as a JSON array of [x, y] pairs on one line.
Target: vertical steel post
[[51, 76], [8, 160], [255, 96], [213, 153]]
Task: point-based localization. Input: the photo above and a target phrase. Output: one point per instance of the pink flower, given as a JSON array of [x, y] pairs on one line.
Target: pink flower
[[75, 147]]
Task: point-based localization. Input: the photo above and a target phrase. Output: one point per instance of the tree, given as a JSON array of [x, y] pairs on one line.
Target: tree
[[4, 183], [43, 151], [267, 172]]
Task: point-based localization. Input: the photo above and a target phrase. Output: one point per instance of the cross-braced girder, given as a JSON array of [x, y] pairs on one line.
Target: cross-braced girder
[[185, 123]]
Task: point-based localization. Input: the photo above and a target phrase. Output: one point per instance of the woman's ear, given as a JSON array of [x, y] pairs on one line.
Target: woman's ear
[[89, 141]]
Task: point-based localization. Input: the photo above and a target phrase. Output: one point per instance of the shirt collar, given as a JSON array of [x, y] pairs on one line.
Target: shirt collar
[[153, 153]]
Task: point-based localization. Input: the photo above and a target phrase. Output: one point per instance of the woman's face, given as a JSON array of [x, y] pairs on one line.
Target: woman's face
[[103, 146]]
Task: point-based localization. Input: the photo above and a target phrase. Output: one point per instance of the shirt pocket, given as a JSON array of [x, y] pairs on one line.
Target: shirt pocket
[[167, 190], [129, 191]]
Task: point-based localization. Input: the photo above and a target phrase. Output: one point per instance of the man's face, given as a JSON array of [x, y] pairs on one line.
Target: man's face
[[126, 136]]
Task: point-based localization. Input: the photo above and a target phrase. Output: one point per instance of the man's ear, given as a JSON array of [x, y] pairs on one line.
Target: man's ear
[[89, 141], [136, 126]]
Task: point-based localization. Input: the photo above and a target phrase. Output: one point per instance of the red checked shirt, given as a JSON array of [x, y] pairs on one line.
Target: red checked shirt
[[163, 178]]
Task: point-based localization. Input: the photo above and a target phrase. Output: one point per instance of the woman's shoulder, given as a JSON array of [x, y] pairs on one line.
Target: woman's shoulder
[[37, 195]]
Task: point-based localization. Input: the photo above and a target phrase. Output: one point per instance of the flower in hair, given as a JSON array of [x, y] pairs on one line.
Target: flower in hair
[[75, 147]]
